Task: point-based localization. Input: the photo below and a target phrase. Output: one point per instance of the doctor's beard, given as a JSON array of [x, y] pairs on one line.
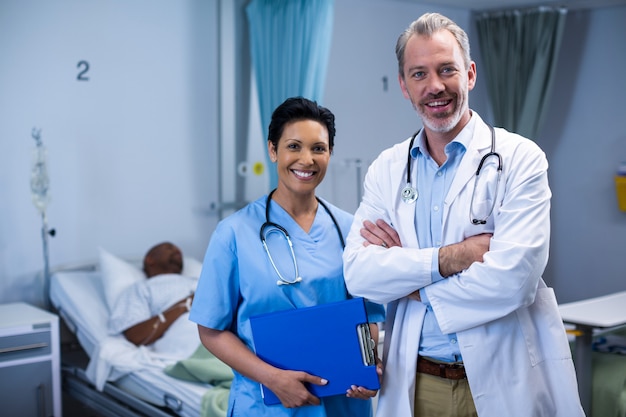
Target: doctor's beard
[[446, 122]]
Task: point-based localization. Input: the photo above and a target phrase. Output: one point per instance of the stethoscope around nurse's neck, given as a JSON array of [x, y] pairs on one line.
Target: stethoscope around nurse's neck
[[410, 194], [270, 227]]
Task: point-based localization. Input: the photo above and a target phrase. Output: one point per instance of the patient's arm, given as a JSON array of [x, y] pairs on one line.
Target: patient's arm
[[150, 330]]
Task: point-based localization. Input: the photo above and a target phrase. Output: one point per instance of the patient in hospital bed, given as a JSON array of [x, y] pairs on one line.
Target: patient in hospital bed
[[148, 326], [147, 309]]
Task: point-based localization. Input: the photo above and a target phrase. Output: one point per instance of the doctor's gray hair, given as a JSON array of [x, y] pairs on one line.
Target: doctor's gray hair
[[427, 25], [297, 109]]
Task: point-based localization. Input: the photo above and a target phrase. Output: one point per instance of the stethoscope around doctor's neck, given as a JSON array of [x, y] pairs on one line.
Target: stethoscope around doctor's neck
[[270, 227], [410, 194]]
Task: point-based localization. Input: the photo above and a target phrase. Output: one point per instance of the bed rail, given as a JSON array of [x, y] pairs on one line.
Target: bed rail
[[110, 402]]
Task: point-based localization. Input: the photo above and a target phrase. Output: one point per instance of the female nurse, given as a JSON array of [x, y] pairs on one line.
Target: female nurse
[[243, 278]]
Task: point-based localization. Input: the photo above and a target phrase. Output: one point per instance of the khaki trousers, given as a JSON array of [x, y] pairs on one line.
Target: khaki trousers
[[441, 397]]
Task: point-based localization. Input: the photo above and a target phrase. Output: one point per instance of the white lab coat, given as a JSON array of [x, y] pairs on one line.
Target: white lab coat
[[507, 322]]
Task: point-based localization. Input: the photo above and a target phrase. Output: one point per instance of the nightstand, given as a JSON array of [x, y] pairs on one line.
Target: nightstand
[[30, 374]]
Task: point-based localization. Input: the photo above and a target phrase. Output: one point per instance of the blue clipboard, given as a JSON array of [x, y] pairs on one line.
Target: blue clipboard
[[331, 341]]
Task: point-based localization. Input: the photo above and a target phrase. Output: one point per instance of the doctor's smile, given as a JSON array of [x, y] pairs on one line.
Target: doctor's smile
[[438, 105]]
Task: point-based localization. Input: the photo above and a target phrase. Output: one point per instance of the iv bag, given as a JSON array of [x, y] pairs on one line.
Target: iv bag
[[39, 181]]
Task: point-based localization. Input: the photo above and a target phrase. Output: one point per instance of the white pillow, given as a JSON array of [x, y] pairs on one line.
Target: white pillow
[[116, 276], [191, 267]]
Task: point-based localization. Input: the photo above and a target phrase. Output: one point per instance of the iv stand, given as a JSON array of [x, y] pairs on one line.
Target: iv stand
[[46, 263], [39, 186]]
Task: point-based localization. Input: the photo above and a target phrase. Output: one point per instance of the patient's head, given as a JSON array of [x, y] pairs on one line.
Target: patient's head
[[164, 258]]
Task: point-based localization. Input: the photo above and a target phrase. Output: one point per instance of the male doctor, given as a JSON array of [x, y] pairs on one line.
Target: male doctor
[[472, 329]]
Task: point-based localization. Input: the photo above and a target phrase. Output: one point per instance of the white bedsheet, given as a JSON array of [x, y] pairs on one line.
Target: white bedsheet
[[69, 292], [78, 297]]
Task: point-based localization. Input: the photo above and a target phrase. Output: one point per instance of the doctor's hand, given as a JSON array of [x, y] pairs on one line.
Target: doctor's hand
[[289, 387], [379, 233]]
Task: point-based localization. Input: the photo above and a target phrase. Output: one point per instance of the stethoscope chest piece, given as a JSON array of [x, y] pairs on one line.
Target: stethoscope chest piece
[[409, 194]]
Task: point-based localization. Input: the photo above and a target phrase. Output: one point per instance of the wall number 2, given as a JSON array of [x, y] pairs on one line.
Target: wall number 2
[[83, 67]]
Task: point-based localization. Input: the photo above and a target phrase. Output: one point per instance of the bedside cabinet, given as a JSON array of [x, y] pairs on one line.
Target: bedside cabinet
[[30, 373]]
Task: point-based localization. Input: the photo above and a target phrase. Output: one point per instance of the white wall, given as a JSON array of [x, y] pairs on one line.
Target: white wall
[[132, 151]]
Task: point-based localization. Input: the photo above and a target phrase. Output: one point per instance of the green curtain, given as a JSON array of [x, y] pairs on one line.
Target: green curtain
[[290, 43], [520, 50]]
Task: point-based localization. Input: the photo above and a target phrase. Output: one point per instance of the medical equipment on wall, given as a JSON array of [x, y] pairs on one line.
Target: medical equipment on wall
[[276, 228], [245, 168], [358, 165], [410, 194], [620, 186]]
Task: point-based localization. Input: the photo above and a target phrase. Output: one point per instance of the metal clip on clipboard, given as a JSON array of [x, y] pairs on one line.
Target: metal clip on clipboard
[[367, 344]]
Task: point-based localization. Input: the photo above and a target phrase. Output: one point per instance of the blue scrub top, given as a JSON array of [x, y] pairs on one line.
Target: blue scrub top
[[238, 281]]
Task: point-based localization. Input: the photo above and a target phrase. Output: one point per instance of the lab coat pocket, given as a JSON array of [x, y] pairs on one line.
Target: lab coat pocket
[[543, 328]]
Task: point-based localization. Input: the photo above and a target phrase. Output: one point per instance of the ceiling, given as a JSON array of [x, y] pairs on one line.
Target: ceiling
[[477, 5]]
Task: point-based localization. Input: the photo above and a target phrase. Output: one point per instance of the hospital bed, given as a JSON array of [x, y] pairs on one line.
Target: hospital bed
[[110, 374], [597, 329]]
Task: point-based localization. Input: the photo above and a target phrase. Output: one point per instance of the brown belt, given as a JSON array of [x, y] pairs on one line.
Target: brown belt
[[442, 370]]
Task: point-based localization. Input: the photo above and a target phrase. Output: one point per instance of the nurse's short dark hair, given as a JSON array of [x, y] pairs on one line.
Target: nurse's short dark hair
[[296, 109]]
